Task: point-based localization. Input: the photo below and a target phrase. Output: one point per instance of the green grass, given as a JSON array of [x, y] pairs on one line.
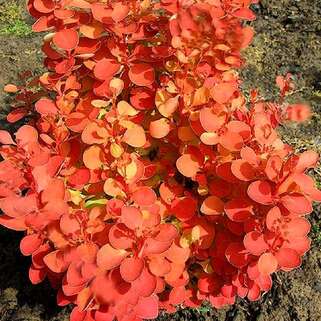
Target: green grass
[[12, 21]]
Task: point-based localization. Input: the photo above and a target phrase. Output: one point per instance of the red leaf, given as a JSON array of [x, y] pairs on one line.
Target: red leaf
[[297, 203], [16, 224], [83, 298], [237, 255], [254, 242], [131, 217], [248, 34], [248, 154], [212, 205], [231, 141], [5, 138], [243, 170], [26, 134], [228, 290], [55, 262], [119, 237], [167, 233], [299, 244], [76, 122], [144, 196], [16, 115], [267, 263], [244, 13], [10, 88], [239, 210], [153, 246], [208, 283], [188, 165], [66, 39], [159, 128], [80, 177], [93, 157], [38, 255], [273, 167], [184, 208], [147, 308], [135, 136], [254, 292], [46, 107], [297, 227], [178, 254], [223, 92], [288, 259], [44, 6], [42, 24], [260, 192], [273, 218], [120, 12], [142, 98], [109, 258], [177, 295], [30, 244], [307, 159], [36, 276], [69, 224], [16, 206], [210, 121], [142, 74], [159, 266], [298, 112], [241, 128], [131, 268], [106, 68], [146, 283], [77, 315]]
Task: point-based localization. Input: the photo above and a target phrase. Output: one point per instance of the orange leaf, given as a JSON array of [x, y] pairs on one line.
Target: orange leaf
[[131, 268], [212, 205], [113, 188], [10, 88], [267, 263], [223, 92], [243, 170], [5, 138], [159, 128], [106, 68], [66, 39], [131, 217], [109, 258], [260, 192], [144, 196], [211, 121], [46, 107], [188, 165], [120, 12], [142, 74], [135, 136], [125, 109], [93, 157], [244, 13], [92, 31], [44, 6]]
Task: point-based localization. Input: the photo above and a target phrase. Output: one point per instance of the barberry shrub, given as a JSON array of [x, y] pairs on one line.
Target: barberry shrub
[[144, 178]]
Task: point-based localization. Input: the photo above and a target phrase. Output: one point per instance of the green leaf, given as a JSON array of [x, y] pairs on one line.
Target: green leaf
[[95, 202]]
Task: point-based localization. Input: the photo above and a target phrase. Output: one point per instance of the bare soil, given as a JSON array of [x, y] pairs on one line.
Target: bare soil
[[288, 39]]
